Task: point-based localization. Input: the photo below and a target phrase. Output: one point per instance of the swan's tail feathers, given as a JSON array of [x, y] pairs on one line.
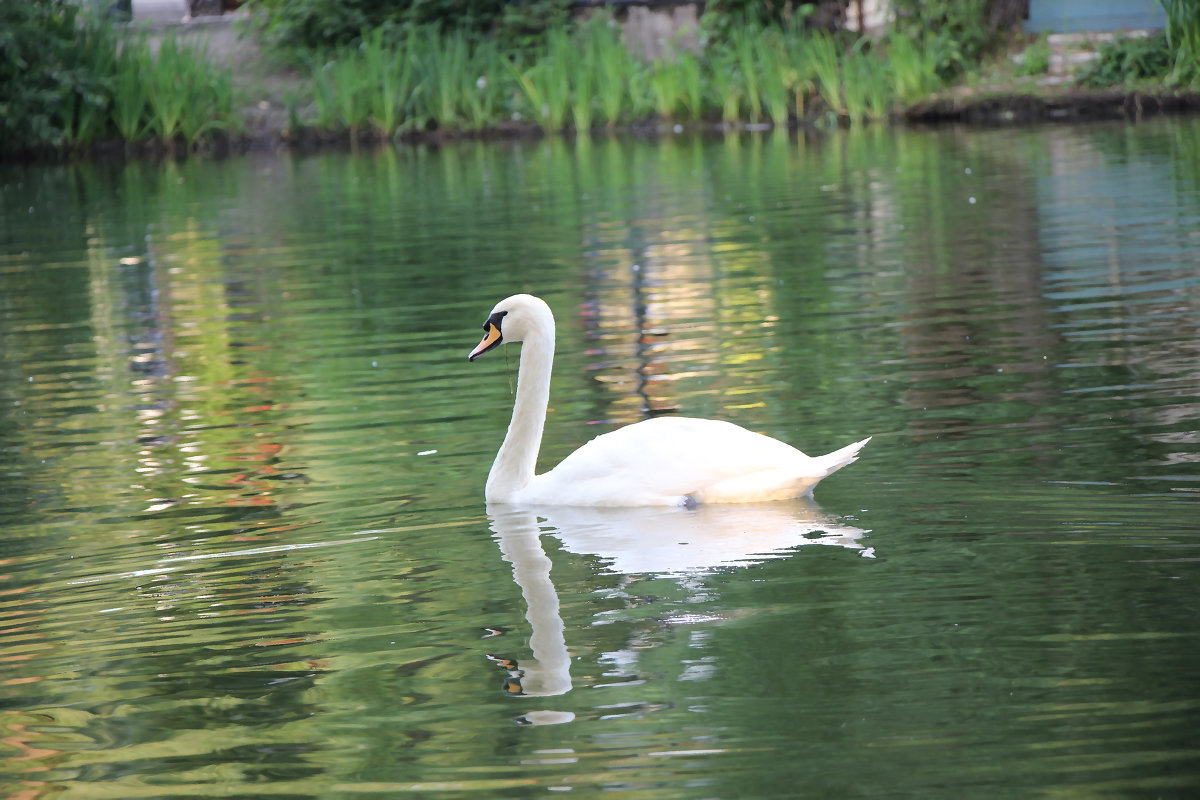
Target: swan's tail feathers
[[832, 462]]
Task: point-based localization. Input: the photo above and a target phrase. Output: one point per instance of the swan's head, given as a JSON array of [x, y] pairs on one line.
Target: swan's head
[[515, 319]]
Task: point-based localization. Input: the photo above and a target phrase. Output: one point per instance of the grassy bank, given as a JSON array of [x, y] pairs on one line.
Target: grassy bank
[[430, 80], [424, 81]]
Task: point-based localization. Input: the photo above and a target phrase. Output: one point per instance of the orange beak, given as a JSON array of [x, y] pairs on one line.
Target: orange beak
[[490, 340]]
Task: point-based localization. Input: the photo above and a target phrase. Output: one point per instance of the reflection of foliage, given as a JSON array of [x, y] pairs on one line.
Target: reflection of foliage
[[1186, 154]]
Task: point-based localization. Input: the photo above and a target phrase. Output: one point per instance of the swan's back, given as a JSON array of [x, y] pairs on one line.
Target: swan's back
[[668, 460]]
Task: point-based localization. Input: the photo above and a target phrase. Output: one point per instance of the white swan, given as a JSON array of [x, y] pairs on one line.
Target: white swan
[[664, 461]]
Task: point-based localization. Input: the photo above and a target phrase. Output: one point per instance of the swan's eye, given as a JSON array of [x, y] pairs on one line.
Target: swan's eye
[[494, 320]]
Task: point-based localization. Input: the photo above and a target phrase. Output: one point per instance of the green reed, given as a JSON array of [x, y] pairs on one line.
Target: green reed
[[483, 87], [692, 79], [799, 74], [745, 43], [164, 101], [588, 77], [130, 89], [665, 88], [584, 80], [774, 69], [822, 52], [614, 69], [444, 80], [866, 86], [727, 89], [426, 77], [87, 115], [545, 86], [391, 73], [1183, 36], [342, 92], [912, 66], [186, 97], [417, 77]]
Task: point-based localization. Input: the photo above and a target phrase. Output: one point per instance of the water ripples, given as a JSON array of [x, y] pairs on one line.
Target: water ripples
[[244, 549]]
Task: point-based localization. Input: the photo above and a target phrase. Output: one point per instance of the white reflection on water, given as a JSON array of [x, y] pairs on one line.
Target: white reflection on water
[[683, 544], [679, 542]]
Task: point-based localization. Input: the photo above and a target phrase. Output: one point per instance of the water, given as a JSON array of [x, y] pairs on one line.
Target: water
[[243, 546]]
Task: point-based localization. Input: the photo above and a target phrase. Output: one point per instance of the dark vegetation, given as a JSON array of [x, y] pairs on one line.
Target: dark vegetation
[[70, 80]]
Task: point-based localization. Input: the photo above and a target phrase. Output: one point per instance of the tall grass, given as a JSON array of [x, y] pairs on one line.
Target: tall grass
[[87, 115], [587, 77], [130, 101], [392, 68], [745, 42], [823, 62], [134, 93], [612, 67], [389, 83], [186, 97], [727, 86], [447, 69], [773, 64], [866, 87], [666, 82], [913, 67], [799, 72], [483, 87], [396, 79], [342, 89], [583, 92], [1183, 36], [545, 86], [692, 84]]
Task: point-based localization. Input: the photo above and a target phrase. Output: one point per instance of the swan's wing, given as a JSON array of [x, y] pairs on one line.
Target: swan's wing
[[662, 460]]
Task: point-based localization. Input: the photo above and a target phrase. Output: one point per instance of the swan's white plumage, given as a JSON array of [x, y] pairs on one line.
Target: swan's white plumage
[[660, 461]]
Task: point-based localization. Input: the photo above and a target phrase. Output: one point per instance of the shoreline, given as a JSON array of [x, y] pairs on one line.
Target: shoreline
[[990, 110], [268, 124], [996, 108]]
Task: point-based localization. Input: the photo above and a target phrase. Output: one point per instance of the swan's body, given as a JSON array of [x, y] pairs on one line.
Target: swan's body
[[657, 462]]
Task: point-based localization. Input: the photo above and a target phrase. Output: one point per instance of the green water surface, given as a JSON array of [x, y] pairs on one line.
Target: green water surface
[[244, 550]]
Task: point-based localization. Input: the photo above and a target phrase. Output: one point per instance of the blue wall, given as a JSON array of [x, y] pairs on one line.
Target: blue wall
[[1070, 16]]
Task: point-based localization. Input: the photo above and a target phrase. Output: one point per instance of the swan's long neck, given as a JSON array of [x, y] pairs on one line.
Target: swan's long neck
[[514, 466]]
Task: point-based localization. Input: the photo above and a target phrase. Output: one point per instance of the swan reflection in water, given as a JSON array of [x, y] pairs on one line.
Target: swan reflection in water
[[678, 543]]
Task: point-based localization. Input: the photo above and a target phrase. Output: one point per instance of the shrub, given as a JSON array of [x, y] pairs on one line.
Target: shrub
[[322, 25], [524, 27], [958, 31], [1128, 59], [69, 79], [723, 17], [1036, 58], [48, 80]]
